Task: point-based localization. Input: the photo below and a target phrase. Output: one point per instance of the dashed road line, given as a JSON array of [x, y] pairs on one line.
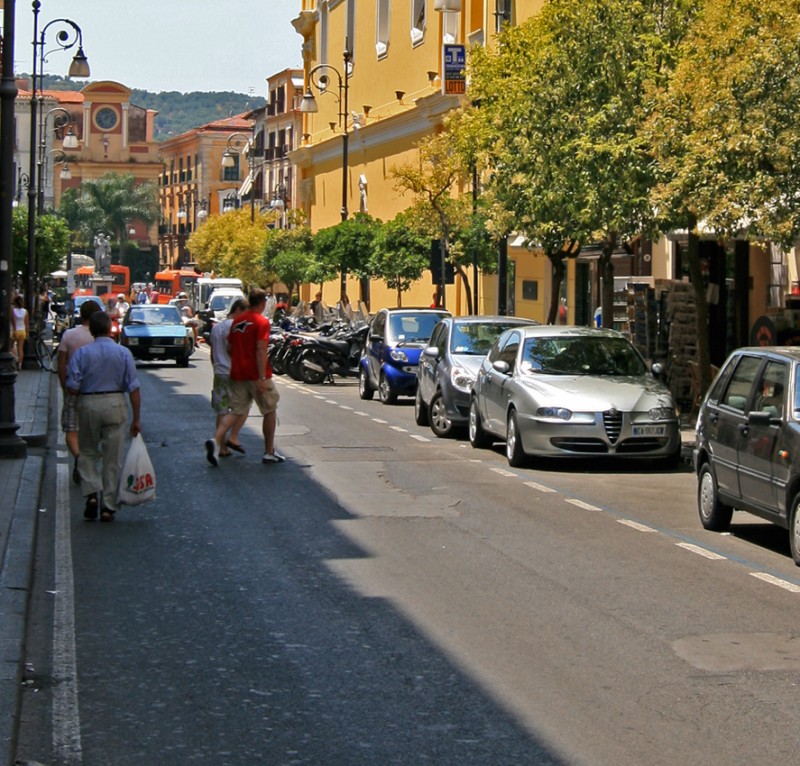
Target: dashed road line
[[772, 580], [704, 552], [581, 504], [419, 438], [399, 429], [503, 472], [345, 407], [382, 422], [538, 487], [636, 525]]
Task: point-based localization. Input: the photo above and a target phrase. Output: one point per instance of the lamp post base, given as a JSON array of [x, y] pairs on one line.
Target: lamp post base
[[11, 444]]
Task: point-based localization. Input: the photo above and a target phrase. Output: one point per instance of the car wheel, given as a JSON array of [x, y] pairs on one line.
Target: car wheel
[[794, 530], [183, 362], [365, 390], [714, 514], [385, 393], [420, 410], [478, 438], [514, 453], [441, 424]]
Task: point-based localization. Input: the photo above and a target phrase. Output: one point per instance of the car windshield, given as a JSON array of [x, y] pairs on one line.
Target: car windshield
[[220, 302], [476, 338], [584, 355], [154, 315], [412, 328]]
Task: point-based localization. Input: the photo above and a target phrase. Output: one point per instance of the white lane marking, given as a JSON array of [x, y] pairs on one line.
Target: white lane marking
[[503, 472], [378, 420], [701, 551], [790, 586], [538, 487], [636, 525], [65, 711], [362, 414], [398, 429], [419, 438], [345, 407], [331, 401], [317, 396], [581, 504]]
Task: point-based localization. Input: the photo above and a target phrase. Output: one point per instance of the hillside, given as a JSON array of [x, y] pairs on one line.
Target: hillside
[[177, 112]]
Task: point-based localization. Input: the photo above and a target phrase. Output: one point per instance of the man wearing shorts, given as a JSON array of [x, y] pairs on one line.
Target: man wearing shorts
[[251, 378], [71, 341], [221, 387]]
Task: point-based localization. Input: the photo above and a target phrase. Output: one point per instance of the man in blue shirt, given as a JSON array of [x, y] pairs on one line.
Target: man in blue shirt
[[101, 373]]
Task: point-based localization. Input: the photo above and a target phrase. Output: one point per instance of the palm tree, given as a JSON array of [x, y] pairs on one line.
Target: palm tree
[[113, 202]]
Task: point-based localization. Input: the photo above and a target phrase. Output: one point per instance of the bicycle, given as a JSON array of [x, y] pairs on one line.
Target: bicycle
[[46, 353]]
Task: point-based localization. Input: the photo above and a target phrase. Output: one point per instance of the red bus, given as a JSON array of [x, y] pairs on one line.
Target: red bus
[[88, 282], [170, 282]]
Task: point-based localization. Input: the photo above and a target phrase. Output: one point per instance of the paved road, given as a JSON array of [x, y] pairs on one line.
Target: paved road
[[388, 598]]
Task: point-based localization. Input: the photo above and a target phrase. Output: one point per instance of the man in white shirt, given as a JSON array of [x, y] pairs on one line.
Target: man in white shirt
[[122, 306], [221, 389], [71, 341]]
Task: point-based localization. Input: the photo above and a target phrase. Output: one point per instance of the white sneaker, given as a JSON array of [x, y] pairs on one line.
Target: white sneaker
[[212, 451], [273, 457]]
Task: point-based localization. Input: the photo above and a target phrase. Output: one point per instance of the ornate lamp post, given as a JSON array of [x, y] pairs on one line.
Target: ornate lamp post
[[67, 37], [318, 78], [237, 142]]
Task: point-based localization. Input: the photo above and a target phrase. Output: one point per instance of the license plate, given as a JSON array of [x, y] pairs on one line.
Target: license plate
[[157, 350], [649, 430]]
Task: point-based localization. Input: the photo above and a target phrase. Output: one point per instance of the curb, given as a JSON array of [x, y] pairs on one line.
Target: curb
[[15, 586]]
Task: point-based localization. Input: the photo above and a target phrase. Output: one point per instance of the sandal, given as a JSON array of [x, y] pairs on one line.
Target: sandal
[[107, 515], [90, 511], [227, 453], [235, 447]]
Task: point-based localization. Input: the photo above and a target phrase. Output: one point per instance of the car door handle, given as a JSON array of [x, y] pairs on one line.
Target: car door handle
[[744, 429]]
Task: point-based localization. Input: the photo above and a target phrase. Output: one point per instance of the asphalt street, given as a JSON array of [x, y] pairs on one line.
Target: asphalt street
[[385, 597]]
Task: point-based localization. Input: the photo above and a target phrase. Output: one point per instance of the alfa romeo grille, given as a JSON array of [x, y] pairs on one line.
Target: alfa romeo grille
[[612, 420]]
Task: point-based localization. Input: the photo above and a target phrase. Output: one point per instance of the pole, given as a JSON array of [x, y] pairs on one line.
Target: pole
[[474, 239], [502, 277], [33, 173], [345, 88], [11, 445]]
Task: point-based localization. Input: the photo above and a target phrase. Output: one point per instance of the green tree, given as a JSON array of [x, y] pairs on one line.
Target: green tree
[[52, 241], [566, 94], [346, 247], [111, 203], [288, 254], [400, 254]]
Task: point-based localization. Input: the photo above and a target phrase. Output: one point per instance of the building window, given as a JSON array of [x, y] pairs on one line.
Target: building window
[[281, 104], [418, 21], [504, 13], [382, 28], [350, 38], [232, 173], [323, 33]]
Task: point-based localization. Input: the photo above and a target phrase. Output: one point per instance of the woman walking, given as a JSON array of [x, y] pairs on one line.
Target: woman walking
[[20, 328]]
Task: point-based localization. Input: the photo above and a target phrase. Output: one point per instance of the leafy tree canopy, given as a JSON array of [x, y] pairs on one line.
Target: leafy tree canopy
[[52, 241], [347, 246]]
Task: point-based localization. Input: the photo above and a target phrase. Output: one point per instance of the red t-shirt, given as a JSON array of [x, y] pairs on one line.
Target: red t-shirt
[[245, 333]]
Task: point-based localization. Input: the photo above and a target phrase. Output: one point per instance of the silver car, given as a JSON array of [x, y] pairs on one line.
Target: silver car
[[572, 392]]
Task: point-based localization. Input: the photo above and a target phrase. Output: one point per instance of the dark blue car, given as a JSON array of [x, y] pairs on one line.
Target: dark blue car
[[395, 341]]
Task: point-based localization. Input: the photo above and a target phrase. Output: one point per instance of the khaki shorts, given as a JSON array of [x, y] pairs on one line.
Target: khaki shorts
[[69, 413], [245, 392]]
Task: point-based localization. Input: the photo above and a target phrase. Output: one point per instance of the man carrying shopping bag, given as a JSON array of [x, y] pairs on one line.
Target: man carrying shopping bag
[[101, 373]]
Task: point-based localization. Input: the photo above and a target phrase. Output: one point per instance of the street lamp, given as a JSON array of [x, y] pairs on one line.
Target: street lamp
[[319, 79], [22, 183], [67, 37], [239, 142], [229, 202], [62, 119], [278, 202]]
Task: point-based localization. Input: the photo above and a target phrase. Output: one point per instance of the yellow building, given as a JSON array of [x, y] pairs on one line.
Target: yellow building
[[383, 63]]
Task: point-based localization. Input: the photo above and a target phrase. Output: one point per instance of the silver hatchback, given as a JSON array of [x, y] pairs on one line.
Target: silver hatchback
[[572, 392]]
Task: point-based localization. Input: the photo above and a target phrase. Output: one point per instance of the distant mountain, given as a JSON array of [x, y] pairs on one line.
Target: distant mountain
[[177, 112]]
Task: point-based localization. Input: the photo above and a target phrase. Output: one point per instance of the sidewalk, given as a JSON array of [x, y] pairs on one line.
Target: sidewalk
[[20, 484]]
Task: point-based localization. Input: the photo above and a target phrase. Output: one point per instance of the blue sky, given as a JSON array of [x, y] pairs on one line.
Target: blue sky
[[182, 45]]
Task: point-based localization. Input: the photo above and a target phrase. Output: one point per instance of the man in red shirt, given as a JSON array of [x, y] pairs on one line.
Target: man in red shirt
[[251, 378]]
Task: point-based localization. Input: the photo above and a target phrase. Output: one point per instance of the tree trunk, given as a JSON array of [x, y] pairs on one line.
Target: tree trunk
[[399, 297], [701, 306], [467, 288], [559, 268], [606, 267]]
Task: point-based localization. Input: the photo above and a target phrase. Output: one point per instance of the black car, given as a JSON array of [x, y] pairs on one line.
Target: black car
[[747, 450]]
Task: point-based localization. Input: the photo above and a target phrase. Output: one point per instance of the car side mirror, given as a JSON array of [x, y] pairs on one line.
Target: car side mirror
[[501, 366], [657, 369], [761, 418], [432, 352]]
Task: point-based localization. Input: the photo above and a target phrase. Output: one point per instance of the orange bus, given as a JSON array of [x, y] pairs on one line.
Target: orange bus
[[88, 282], [170, 282]]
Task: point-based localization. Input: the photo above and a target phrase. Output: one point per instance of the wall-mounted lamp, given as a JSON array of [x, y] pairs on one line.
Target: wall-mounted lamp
[[366, 109], [400, 94], [333, 126], [432, 76]]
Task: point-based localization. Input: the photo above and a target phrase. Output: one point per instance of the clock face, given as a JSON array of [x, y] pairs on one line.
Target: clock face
[[106, 118]]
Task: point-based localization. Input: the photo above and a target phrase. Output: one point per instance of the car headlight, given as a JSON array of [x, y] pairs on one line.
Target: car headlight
[[661, 413], [398, 356], [462, 379], [555, 413]]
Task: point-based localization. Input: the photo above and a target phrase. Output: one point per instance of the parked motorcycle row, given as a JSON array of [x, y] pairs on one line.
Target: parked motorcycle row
[[314, 354]]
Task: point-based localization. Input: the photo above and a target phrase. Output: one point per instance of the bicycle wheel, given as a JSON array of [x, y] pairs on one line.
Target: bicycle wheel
[[43, 354], [54, 359]]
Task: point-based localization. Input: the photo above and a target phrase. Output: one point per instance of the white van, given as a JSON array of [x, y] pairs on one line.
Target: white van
[[203, 288]]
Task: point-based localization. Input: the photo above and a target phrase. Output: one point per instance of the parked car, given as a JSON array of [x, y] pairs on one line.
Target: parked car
[[156, 332], [78, 302], [395, 340], [572, 392], [748, 442], [448, 367]]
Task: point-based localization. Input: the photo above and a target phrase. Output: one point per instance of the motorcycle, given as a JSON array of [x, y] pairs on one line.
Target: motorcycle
[[323, 357]]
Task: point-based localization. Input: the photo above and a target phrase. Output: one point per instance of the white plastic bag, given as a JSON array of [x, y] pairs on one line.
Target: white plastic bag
[[137, 480]]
